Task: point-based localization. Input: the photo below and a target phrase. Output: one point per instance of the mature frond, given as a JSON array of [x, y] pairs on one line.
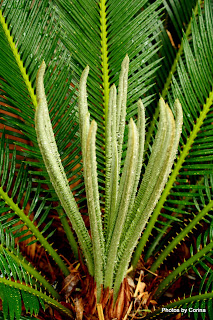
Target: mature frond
[[21, 317], [175, 20], [7, 246], [186, 303], [119, 34], [15, 189], [193, 86], [21, 282], [202, 257], [25, 45], [20, 60]]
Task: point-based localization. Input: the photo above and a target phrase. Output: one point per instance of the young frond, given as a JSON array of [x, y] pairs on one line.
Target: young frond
[[55, 169]]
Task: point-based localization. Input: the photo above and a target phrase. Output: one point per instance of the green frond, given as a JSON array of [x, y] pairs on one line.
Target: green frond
[[179, 13], [178, 16], [205, 288], [7, 247], [15, 189], [69, 36], [31, 54], [21, 317], [185, 232], [107, 35], [12, 293], [21, 57], [203, 254], [17, 285], [170, 51], [185, 303], [197, 106]]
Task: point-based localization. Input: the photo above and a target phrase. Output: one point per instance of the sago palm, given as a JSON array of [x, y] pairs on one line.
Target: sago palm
[[92, 137]]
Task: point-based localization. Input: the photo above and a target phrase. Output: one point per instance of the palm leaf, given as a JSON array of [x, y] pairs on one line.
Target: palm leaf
[[102, 44], [21, 318], [28, 58], [198, 265], [18, 102], [116, 32], [170, 52], [10, 251], [203, 255], [17, 285], [197, 106], [176, 14], [186, 303], [15, 189]]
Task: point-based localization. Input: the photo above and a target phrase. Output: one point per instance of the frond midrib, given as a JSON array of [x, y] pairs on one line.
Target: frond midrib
[[20, 213], [169, 78], [18, 59], [173, 176], [38, 294]]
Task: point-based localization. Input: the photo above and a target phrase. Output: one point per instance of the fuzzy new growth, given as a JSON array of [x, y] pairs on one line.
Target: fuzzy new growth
[[128, 205]]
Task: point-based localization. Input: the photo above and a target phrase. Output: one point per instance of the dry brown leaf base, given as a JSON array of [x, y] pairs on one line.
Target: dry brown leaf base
[[83, 301], [134, 298]]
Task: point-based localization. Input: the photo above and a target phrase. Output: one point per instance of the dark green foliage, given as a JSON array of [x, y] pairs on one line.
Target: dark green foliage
[[11, 271], [163, 61]]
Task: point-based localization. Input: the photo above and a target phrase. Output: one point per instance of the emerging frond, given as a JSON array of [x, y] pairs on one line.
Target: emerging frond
[[51, 158], [119, 34]]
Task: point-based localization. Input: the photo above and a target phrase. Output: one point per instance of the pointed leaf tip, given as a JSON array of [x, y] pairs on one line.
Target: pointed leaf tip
[[86, 70], [40, 92], [41, 69], [140, 103], [84, 76], [125, 62], [93, 124]]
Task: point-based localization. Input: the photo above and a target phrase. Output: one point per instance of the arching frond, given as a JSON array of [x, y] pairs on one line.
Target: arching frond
[[121, 28], [15, 190], [202, 256], [17, 285], [21, 317], [8, 248], [20, 58], [194, 88]]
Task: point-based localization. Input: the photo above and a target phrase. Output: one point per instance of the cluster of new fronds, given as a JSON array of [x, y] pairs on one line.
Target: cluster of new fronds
[[128, 203]]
